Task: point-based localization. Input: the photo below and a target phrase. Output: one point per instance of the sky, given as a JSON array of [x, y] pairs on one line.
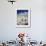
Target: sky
[[22, 12]]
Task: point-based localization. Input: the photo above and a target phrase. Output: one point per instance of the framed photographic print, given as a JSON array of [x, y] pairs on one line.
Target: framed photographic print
[[23, 17]]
